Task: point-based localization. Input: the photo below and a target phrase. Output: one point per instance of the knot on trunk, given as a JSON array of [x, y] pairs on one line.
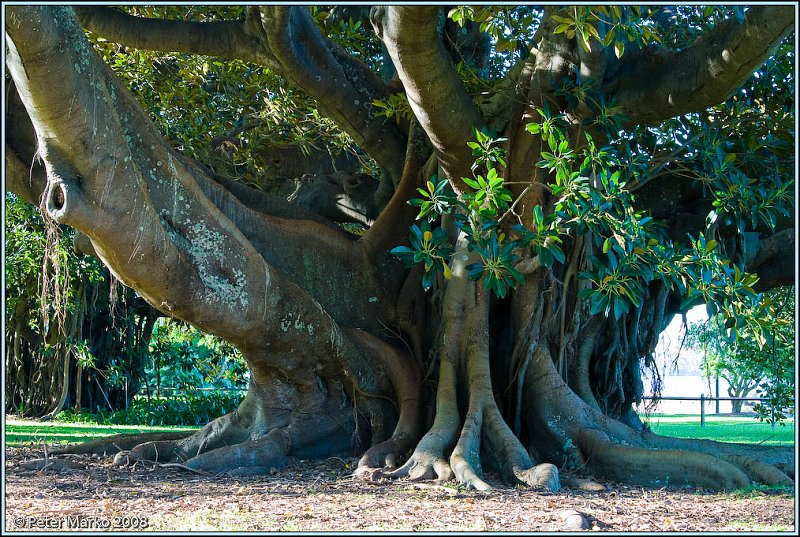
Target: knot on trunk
[[62, 198]]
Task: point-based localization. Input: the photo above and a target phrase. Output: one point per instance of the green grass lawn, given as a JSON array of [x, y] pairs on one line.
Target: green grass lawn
[[20, 432], [725, 428]]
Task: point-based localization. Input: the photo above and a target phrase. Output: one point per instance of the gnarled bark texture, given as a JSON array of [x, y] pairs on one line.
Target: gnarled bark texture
[[346, 351]]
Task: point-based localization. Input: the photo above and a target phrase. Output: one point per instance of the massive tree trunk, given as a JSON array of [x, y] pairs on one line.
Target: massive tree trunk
[[347, 352]]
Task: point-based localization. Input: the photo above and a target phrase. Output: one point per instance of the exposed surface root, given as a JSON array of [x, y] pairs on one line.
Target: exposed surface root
[[483, 438], [110, 445], [515, 463], [582, 483], [780, 457], [429, 458], [254, 457], [465, 460], [405, 378], [566, 430], [649, 467], [220, 432], [759, 471], [384, 455]]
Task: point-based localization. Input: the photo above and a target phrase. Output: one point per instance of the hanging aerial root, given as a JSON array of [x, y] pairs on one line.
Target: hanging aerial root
[[651, 467]]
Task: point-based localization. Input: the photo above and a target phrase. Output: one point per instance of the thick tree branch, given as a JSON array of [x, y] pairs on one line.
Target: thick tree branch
[[654, 83], [436, 94], [156, 219], [25, 174], [286, 40], [391, 227], [26, 182], [343, 86], [775, 261], [225, 39], [140, 247]]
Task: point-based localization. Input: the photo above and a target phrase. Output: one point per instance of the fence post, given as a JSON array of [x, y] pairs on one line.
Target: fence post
[[702, 410]]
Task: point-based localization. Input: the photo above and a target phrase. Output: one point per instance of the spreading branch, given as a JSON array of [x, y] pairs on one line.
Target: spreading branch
[[287, 40], [435, 92], [25, 175], [225, 39], [655, 83], [343, 86], [169, 225]]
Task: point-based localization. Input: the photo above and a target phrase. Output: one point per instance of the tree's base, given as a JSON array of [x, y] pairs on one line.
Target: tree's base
[[562, 430], [652, 468]]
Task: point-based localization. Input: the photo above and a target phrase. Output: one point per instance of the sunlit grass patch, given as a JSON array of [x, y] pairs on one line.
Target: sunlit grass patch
[[19, 433], [744, 429]]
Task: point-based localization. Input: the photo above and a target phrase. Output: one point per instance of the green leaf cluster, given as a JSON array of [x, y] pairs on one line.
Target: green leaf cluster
[[476, 214], [396, 106], [619, 25], [431, 249]]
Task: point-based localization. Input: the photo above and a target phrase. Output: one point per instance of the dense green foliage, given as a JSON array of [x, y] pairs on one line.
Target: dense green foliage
[[184, 359], [189, 408], [190, 379], [225, 114]]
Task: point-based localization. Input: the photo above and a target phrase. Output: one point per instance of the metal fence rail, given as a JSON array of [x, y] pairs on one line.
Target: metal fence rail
[[703, 399]]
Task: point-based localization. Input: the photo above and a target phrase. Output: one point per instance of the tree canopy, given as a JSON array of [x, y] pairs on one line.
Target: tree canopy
[[447, 239]]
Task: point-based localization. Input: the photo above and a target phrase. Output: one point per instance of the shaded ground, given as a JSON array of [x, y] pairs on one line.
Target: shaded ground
[[311, 496]]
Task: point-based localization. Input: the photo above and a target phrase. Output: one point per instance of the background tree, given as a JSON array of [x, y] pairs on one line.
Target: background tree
[[744, 364], [77, 339], [570, 181], [73, 337]]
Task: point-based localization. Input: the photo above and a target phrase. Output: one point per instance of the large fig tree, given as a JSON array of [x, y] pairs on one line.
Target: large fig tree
[[549, 188]]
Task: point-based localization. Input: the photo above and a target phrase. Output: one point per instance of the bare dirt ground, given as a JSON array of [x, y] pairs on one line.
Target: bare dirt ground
[[80, 492]]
